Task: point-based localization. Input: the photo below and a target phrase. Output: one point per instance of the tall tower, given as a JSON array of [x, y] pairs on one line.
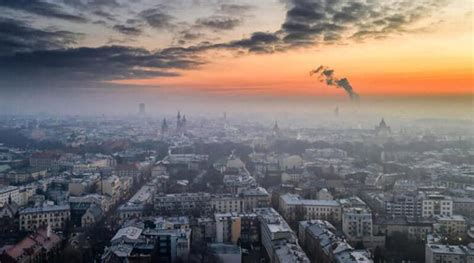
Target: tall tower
[[178, 121], [183, 123], [164, 126], [276, 130], [141, 108]]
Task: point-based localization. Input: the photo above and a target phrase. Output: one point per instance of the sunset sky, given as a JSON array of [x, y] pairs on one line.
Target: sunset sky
[[225, 47]]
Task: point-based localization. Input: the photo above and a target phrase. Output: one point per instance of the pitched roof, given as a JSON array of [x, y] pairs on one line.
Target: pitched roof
[[33, 243]]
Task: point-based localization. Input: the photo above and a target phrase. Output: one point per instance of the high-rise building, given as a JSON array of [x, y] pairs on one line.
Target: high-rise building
[[141, 109]]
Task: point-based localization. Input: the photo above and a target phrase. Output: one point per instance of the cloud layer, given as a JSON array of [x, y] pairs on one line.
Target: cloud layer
[[36, 51]]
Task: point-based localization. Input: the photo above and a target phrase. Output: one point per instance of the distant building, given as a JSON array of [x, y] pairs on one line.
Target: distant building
[[180, 123], [276, 132], [129, 169], [226, 204], [254, 198], [404, 204], [324, 194], [45, 160], [141, 109], [176, 163], [164, 128], [416, 228], [111, 186], [25, 175], [464, 206], [382, 130], [181, 204]]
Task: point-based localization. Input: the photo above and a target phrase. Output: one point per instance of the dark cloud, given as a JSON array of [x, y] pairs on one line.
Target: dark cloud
[[259, 42], [19, 36], [219, 22], [157, 18], [105, 15], [188, 36], [85, 65], [87, 4], [128, 30], [42, 8], [234, 9], [307, 23]]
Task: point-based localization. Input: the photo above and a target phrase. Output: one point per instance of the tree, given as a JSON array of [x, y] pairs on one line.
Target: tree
[[378, 255]]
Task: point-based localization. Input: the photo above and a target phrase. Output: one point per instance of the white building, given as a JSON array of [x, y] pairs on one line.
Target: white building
[[111, 186], [56, 216], [254, 198], [437, 205], [291, 162], [357, 223], [273, 227], [226, 204], [137, 203], [292, 205], [277, 237], [9, 192], [182, 203], [324, 194], [437, 253]]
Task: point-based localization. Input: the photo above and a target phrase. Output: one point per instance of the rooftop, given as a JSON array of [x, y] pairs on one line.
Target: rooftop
[[44, 209], [220, 248], [295, 199], [452, 250], [129, 232], [288, 252]]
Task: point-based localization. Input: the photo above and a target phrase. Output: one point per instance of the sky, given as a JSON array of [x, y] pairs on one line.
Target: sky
[[228, 48]]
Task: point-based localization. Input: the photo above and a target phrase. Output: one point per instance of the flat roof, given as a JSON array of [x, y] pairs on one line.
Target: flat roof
[[294, 199]]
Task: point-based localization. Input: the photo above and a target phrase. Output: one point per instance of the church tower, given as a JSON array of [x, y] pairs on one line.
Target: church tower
[[183, 123], [178, 121], [276, 132]]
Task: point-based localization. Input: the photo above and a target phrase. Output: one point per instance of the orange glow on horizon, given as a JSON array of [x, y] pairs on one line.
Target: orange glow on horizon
[[432, 65]]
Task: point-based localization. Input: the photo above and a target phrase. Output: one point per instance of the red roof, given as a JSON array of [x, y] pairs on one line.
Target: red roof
[[33, 243]]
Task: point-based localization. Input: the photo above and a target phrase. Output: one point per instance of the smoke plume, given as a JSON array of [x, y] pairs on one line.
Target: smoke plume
[[326, 75]]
